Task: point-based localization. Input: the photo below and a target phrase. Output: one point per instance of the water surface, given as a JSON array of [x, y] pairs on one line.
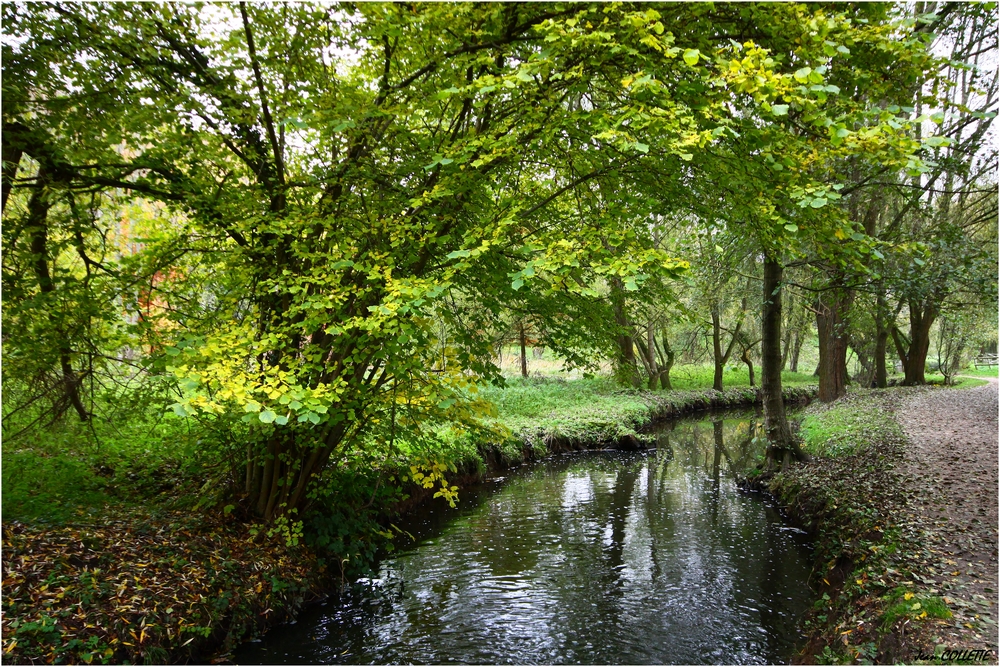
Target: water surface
[[592, 558]]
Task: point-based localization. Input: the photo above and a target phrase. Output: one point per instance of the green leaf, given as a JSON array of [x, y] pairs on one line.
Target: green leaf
[[641, 147], [691, 56], [818, 202], [252, 406], [802, 75], [455, 254], [780, 109], [792, 228], [267, 416], [630, 285], [516, 285], [918, 261]]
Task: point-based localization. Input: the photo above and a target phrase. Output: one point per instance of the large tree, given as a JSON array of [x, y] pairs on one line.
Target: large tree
[[357, 170]]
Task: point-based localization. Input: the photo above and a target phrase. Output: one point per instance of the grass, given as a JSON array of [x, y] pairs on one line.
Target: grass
[[981, 372], [73, 469], [555, 405], [909, 606], [844, 427]]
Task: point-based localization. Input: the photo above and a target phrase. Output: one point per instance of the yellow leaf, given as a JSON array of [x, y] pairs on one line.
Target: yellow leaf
[[908, 596]]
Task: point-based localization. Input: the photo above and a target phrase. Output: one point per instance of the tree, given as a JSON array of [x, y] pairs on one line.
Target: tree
[[364, 172]]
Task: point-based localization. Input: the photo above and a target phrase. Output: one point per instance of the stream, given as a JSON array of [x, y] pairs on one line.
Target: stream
[[587, 558]]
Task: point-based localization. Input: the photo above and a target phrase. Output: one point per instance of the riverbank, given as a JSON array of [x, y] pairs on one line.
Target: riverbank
[[140, 583], [880, 597]]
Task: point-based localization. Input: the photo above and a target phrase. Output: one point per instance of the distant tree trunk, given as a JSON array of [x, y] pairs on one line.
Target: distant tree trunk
[[745, 357], [913, 352], [37, 226], [717, 349], [793, 365], [719, 356], [626, 361], [786, 346], [781, 447], [830, 325], [668, 361], [524, 349], [881, 341], [11, 158]]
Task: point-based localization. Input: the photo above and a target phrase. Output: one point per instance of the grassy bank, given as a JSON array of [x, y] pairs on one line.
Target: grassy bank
[[551, 415], [113, 555], [849, 498]]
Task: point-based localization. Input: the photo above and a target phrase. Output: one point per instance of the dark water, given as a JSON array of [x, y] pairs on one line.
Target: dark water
[[592, 558]]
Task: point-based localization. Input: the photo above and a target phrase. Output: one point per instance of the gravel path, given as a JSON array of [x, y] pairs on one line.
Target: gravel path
[[951, 459]]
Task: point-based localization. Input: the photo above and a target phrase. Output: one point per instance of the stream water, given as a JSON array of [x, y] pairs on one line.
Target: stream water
[[588, 558]]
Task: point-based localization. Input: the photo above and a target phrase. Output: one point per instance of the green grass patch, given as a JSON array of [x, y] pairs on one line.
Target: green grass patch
[[844, 427], [701, 377], [982, 372], [71, 469], [960, 382], [907, 605], [567, 407]]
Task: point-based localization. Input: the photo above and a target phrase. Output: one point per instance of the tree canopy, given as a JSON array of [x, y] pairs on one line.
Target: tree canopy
[[316, 217]]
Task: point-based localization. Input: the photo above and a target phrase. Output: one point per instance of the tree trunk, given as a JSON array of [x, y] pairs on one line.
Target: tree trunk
[[745, 357], [668, 362], [922, 316], [524, 349], [38, 230], [830, 325], [881, 341], [626, 353], [722, 357], [717, 349], [780, 444], [11, 159]]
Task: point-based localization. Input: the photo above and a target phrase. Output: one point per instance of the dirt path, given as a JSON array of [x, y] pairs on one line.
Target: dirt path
[[951, 459]]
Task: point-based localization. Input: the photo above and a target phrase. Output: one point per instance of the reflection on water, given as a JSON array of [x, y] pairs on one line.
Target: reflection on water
[[593, 558]]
